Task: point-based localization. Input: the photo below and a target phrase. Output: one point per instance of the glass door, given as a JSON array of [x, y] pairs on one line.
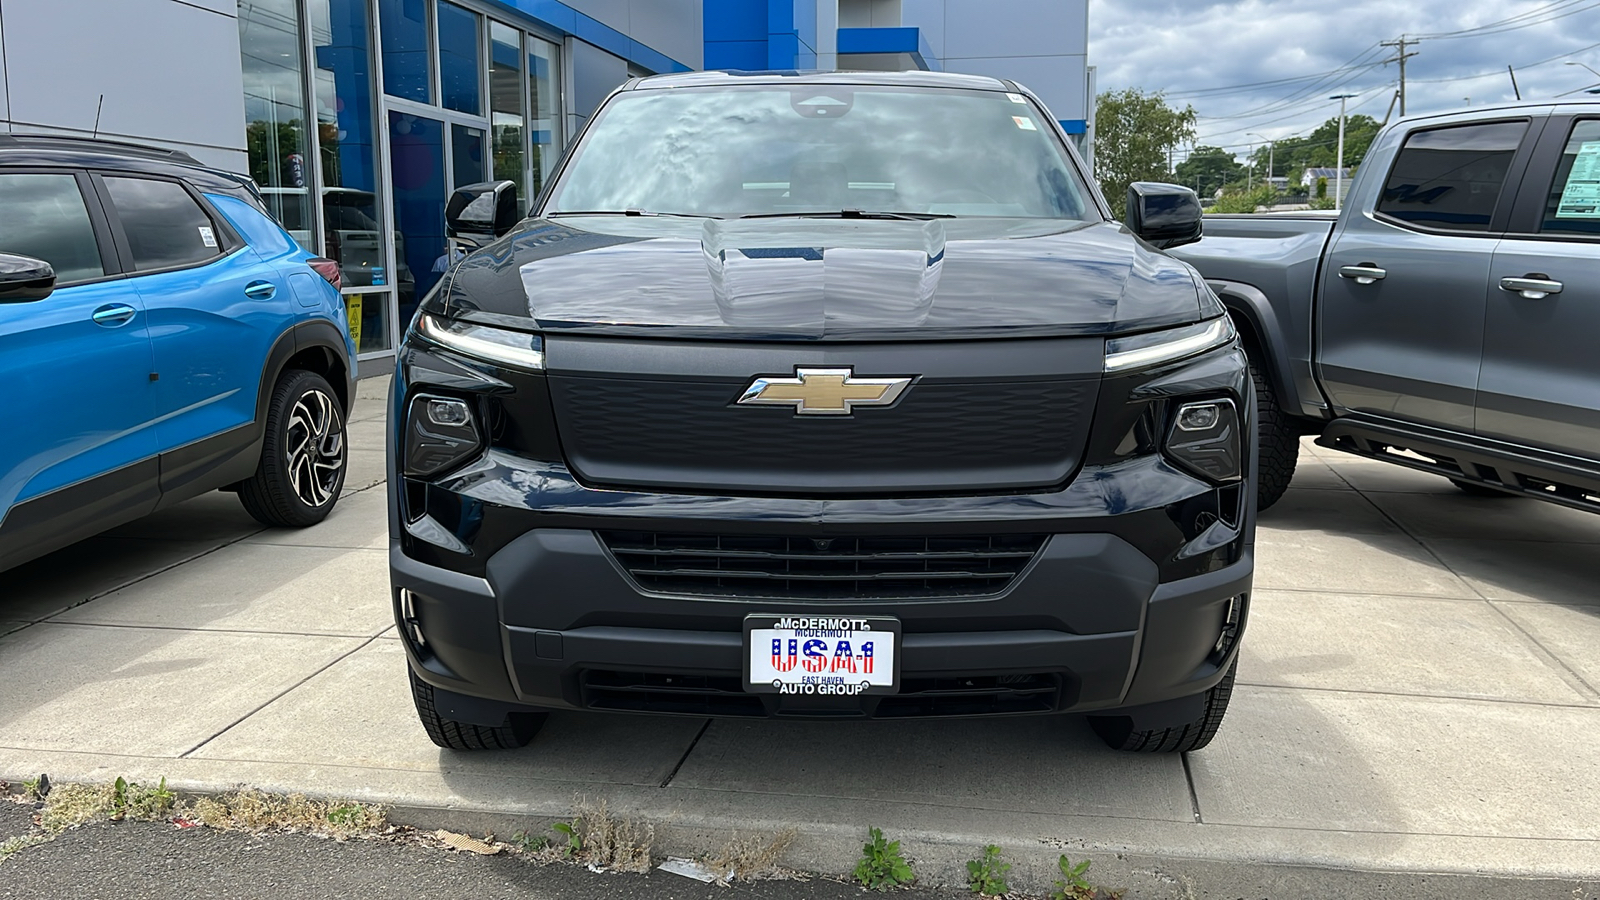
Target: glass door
[[430, 155]]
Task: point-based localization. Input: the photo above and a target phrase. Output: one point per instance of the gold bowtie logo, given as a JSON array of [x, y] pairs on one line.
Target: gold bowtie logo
[[824, 392]]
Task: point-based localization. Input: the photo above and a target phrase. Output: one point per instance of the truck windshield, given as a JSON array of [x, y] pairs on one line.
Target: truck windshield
[[821, 149]]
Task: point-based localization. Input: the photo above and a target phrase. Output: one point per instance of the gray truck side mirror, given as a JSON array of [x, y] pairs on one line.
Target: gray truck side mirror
[[1166, 215]]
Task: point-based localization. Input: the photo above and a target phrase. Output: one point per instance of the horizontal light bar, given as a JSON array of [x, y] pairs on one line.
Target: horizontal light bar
[[1139, 351], [497, 345]]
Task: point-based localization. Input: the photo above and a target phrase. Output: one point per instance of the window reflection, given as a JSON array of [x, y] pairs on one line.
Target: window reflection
[[506, 107], [404, 24], [458, 59], [416, 152], [545, 137], [274, 107]]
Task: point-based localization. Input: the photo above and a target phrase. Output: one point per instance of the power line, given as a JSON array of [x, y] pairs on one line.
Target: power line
[[1525, 20]]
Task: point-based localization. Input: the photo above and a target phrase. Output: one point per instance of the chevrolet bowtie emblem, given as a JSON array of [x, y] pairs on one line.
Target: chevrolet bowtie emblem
[[824, 392]]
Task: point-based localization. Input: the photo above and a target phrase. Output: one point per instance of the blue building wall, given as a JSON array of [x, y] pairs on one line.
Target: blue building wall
[[755, 35]]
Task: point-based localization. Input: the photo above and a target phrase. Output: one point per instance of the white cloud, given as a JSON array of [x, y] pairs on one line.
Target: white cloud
[[1183, 46]]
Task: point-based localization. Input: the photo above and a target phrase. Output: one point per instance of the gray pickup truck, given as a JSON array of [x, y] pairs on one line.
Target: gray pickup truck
[[1448, 319]]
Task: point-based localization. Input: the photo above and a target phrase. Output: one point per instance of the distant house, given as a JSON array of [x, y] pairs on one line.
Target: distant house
[[1308, 180]]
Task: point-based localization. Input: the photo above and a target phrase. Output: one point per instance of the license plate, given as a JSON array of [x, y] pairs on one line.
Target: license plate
[[821, 655]]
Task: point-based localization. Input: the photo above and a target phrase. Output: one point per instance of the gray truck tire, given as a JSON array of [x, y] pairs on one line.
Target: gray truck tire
[[517, 732], [1280, 443], [1119, 735]]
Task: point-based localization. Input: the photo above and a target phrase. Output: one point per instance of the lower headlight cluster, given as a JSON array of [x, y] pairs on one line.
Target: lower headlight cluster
[[441, 433], [1204, 439]]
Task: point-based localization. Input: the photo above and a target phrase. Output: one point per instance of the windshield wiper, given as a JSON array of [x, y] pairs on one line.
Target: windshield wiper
[[851, 214], [625, 212]]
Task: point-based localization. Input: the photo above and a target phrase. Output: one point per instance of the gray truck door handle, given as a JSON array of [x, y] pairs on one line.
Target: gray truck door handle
[[1365, 273], [1533, 286]]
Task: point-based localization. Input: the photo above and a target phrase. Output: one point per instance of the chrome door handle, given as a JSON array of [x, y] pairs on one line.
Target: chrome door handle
[[114, 314], [260, 290], [1533, 286], [1365, 273]]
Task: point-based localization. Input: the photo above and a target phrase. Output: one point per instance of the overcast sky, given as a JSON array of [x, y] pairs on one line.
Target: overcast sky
[[1184, 47]]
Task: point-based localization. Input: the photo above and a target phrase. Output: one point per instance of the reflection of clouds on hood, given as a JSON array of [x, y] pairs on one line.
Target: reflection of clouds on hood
[[720, 151], [1186, 45]]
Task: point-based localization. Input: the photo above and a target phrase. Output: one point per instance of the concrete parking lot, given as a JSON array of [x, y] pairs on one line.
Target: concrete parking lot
[[1419, 691]]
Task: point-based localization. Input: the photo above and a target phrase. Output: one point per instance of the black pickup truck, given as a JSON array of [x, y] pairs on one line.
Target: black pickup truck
[[1447, 319]]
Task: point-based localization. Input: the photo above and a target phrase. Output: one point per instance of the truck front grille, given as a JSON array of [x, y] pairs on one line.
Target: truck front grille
[[840, 568]]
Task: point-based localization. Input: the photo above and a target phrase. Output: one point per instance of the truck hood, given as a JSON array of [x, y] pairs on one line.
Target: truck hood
[[822, 279]]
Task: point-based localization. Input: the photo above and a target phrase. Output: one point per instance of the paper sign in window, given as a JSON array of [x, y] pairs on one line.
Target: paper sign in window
[[1580, 199]]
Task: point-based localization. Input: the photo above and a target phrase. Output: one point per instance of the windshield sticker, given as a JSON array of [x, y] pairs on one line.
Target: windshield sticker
[[1016, 98], [1580, 199], [207, 237], [1025, 123]]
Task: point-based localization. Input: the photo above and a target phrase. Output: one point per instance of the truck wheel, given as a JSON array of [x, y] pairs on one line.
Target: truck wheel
[[303, 457], [453, 735], [1280, 443], [1477, 490], [1118, 733]]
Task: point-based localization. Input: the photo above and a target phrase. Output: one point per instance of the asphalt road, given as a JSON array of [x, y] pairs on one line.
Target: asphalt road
[[135, 861]]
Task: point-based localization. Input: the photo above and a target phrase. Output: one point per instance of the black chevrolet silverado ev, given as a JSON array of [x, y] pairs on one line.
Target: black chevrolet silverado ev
[[822, 396]]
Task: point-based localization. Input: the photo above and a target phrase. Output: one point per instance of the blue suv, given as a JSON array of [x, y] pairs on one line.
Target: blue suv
[[161, 336]]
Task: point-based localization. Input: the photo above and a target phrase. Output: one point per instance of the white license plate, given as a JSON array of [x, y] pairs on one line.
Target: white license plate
[[821, 655]]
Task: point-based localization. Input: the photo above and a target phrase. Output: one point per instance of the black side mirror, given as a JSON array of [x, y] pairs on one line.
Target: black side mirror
[[481, 211], [1166, 215], [24, 279]]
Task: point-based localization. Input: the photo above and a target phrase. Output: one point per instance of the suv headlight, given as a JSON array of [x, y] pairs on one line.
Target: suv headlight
[[1138, 351], [441, 433], [516, 349]]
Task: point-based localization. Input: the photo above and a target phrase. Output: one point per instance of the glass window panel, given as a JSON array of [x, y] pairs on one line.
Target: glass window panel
[[45, 218], [342, 45], [466, 155], [1572, 203], [545, 136], [1451, 177], [275, 112], [458, 59], [416, 154], [404, 24], [163, 224], [506, 102], [368, 314]]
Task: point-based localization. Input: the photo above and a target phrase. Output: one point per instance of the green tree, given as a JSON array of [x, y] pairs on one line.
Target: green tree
[[1207, 169], [1134, 136], [1321, 147]]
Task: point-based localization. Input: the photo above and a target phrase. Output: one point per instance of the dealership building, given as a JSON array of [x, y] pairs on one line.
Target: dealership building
[[358, 117]]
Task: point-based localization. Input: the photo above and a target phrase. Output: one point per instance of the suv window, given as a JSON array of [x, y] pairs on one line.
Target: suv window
[[164, 225], [45, 218], [1451, 178], [1572, 203]]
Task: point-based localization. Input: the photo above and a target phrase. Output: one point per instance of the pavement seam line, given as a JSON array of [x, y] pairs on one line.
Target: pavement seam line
[[201, 630], [667, 782], [276, 697], [1569, 674], [146, 577], [1419, 542], [1450, 697], [1194, 796]]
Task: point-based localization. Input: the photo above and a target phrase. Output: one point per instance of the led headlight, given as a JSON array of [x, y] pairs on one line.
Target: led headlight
[[501, 346], [441, 433], [1204, 439], [1138, 351]]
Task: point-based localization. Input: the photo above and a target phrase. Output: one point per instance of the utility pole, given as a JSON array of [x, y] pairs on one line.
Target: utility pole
[[1338, 170], [1401, 56], [1272, 149]]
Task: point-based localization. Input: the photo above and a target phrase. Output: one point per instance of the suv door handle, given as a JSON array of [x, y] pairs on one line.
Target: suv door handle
[[113, 315], [1533, 286], [260, 290], [1365, 273]]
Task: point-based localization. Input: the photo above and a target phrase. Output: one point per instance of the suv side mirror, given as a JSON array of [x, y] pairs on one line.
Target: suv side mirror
[[480, 211], [1166, 215], [24, 279]]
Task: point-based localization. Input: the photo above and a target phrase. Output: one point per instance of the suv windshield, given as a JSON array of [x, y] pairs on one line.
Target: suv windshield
[[823, 149]]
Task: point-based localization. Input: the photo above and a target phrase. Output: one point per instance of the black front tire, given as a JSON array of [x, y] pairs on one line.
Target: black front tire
[[1119, 734], [1280, 443], [304, 456], [451, 735]]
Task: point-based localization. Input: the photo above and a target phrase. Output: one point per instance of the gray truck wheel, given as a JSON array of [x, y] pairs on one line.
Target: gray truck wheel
[[1280, 443], [451, 735], [302, 467], [1118, 732]]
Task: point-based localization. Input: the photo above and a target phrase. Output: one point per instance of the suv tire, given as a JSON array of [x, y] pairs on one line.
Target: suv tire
[[303, 456], [1280, 443], [452, 735], [1118, 733]]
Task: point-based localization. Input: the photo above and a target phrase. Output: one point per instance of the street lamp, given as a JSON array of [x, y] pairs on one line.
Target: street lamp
[[1338, 170], [1272, 148], [1592, 90]]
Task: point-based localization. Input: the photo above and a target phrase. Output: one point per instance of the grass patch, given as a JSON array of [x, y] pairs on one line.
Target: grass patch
[[607, 842], [258, 811], [755, 857], [12, 846], [71, 805]]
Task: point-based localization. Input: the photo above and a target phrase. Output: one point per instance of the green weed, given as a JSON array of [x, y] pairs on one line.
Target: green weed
[[882, 866], [987, 874], [1073, 886]]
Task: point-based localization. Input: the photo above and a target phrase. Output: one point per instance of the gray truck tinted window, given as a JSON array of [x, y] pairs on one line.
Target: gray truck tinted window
[[1451, 177], [165, 227], [45, 218], [1572, 201]]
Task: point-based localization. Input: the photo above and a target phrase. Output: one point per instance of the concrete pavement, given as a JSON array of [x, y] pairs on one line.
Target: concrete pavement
[[1419, 691]]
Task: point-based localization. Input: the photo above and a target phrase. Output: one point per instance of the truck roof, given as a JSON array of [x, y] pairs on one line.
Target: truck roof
[[903, 79]]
